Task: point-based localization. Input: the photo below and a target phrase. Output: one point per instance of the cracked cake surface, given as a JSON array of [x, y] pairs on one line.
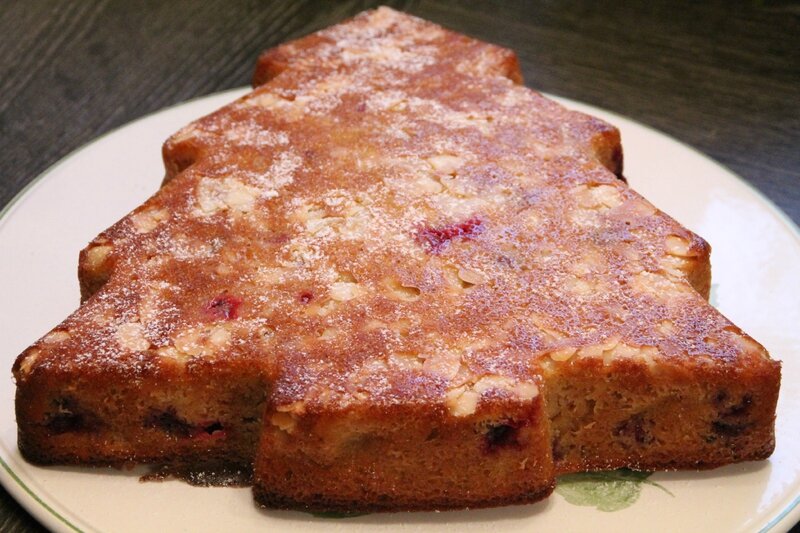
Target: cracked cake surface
[[392, 277]]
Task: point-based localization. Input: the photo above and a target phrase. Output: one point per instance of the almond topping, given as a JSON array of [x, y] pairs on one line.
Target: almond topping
[[462, 401]]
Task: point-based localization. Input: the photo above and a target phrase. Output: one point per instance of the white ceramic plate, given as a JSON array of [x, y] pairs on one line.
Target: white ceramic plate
[[756, 264]]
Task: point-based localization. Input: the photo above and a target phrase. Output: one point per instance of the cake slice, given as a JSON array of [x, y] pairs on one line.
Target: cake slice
[[392, 278]]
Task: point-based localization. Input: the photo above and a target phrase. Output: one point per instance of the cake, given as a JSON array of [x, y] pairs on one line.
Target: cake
[[393, 278]]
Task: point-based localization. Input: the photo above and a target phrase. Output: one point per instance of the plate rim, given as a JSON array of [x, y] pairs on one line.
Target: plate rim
[[46, 515]]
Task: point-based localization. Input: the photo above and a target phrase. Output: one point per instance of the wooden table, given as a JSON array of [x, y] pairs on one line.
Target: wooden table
[[723, 78]]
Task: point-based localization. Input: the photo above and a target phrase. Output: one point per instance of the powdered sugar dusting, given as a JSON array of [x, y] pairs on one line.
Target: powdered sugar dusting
[[280, 174], [389, 202], [248, 133]]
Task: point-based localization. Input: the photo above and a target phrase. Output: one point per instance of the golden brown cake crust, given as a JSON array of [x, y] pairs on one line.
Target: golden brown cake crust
[[391, 232]]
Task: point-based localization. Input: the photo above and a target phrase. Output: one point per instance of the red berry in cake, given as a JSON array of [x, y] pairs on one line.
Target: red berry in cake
[[437, 239], [501, 436], [209, 430], [223, 307], [305, 297]]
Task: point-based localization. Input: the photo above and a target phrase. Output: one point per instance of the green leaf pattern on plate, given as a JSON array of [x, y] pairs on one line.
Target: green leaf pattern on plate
[[607, 491]]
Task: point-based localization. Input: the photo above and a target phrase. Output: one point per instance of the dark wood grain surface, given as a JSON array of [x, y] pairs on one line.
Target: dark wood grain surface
[[720, 76]]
